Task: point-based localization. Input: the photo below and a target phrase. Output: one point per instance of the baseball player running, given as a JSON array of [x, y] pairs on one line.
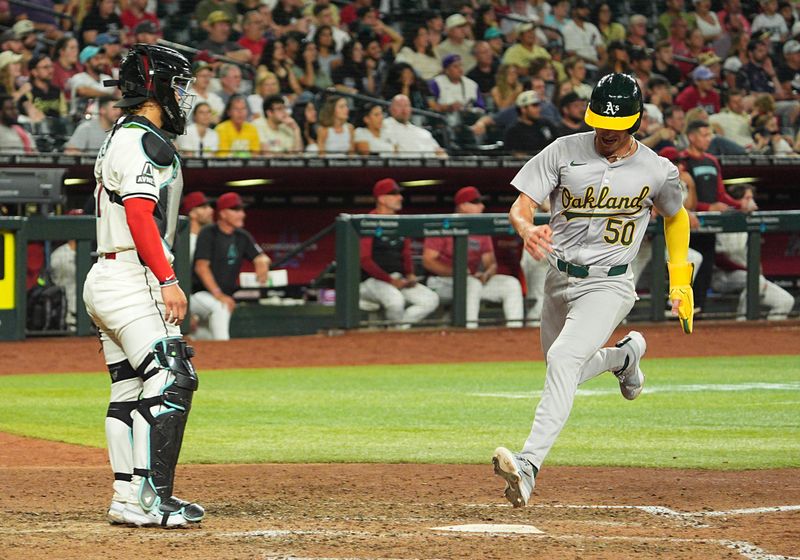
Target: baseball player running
[[132, 295], [601, 186]]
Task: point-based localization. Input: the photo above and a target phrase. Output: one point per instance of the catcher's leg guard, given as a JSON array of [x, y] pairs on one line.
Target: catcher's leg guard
[[173, 380]]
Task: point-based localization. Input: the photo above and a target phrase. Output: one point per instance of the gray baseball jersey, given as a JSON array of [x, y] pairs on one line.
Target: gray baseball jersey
[[599, 210]]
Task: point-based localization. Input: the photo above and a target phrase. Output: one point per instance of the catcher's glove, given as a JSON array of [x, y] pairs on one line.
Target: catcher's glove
[[680, 288]]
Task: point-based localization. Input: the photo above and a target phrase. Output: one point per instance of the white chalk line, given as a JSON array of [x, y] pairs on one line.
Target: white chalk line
[[688, 388]]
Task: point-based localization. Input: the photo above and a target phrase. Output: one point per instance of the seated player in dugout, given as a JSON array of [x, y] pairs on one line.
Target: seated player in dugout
[[601, 186], [221, 248]]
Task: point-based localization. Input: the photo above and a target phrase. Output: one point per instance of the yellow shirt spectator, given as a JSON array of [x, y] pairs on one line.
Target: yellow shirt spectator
[[521, 56], [237, 142]]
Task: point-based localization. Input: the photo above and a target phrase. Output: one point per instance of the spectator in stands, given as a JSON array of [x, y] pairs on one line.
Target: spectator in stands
[[323, 15], [483, 282], [388, 276], [641, 65], [526, 50], [732, 18], [102, 18], [266, 86], [711, 196], [531, 133], [401, 80], [371, 26], [573, 109], [733, 122], [230, 81], [496, 40], [335, 134], [788, 73], [434, 23], [221, 247], [757, 74], [44, 99], [457, 42], [576, 76], [674, 10], [206, 7], [485, 19], [10, 73], [730, 272], [411, 140], [371, 138], [418, 53], [9, 42], [672, 134], [308, 70], [25, 33], [770, 21], [66, 63], [582, 38], [135, 14], [305, 113], [663, 63], [659, 97], [356, 73], [700, 93], [637, 35], [679, 38], [198, 208], [504, 93], [486, 66], [13, 138], [617, 60], [237, 137], [91, 133], [707, 21], [253, 39], [327, 55], [452, 91], [111, 43], [44, 23], [278, 132], [203, 74], [218, 42], [767, 137], [146, 32], [200, 140], [88, 84], [275, 60], [603, 19]]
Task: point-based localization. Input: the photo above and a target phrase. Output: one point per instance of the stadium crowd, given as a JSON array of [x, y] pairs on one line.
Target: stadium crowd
[[399, 78]]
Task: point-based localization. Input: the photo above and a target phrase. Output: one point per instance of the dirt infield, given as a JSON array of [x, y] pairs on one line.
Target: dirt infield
[[53, 495]]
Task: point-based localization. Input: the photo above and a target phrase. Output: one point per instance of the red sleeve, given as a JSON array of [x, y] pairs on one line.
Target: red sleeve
[[408, 264], [722, 194], [139, 215], [368, 264]]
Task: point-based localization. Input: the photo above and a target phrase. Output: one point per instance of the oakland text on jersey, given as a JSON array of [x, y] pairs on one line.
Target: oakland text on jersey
[[587, 204]]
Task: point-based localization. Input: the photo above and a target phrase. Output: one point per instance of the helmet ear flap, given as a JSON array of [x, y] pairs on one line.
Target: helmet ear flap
[[636, 125]]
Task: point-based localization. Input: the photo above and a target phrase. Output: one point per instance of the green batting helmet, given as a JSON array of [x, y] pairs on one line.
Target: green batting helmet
[[616, 104]]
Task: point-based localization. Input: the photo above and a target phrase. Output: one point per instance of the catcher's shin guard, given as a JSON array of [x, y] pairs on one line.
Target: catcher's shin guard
[[166, 413]]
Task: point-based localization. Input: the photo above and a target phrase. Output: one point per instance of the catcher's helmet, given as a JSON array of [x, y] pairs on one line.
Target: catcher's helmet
[[616, 104], [162, 74]]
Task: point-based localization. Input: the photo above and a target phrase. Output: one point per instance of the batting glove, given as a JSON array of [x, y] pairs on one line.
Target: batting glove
[[680, 287]]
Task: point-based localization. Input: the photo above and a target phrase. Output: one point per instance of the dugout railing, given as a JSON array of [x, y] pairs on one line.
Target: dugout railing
[[351, 227]]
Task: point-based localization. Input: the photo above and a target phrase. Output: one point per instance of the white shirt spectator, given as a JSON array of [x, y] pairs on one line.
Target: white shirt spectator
[[582, 41], [465, 91], [340, 38], [735, 127], [775, 25], [709, 30], [88, 137], [380, 145], [192, 142], [274, 141], [83, 79], [425, 66], [410, 140], [215, 102]]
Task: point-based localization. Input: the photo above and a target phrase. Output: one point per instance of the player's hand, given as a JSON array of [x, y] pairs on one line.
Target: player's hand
[[538, 241], [174, 304], [411, 280], [229, 302], [681, 294], [399, 283], [718, 207]]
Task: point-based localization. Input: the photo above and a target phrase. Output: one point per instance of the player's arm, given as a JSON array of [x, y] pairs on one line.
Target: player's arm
[[538, 239], [489, 263], [372, 268], [146, 238], [676, 233], [431, 263]]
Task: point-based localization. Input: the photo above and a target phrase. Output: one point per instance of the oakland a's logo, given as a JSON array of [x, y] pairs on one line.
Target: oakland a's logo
[[602, 204], [611, 109]]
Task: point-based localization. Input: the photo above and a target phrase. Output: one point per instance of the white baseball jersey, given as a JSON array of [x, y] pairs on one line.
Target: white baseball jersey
[[123, 169], [599, 210]]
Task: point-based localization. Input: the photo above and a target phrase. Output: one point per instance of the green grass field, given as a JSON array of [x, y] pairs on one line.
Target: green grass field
[[726, 413]]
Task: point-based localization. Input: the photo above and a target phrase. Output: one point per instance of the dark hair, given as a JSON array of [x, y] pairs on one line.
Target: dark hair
[[105, 100], [657, 80], [299, 115], [271, 101], [234, 97], [737, 191], [61, 44], [319, 8], [671, 110], [727, 94], [318, 33], [268, 52], [694, 126], [366, 110]]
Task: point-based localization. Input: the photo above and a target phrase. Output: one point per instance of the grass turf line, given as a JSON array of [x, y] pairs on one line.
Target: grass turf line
[[452, 413]]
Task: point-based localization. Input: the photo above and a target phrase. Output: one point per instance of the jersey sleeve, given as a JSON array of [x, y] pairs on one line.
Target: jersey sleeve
[[251, 248], [668, 199], [540, 175]]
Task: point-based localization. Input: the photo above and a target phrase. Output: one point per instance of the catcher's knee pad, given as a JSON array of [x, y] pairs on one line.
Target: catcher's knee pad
[[168, 422]]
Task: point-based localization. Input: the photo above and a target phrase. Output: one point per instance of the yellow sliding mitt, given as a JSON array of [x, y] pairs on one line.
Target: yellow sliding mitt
[[680, 288]]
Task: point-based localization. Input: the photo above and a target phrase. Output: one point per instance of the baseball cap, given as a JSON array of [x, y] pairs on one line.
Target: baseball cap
[[198, 65], [791, 47], [229, 200], [193, 200], [148, 26], [523, 27], [88, 52], [8, 35], [732, 64], [450, 59], [708, 58], [106, 39], [528, 97], [702, 73], [217, 16], [671, 153], [23, 27], [8, 57], [492, 33], [456, 20], [386, 186], [467, 194]]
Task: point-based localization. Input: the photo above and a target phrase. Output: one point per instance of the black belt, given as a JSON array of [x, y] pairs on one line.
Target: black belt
[[582, 271]]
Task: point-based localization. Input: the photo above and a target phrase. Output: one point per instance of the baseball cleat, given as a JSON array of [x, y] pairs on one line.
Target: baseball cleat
[[135, 515], [631, 376], [518, 473], [114, 514], [193, 513]]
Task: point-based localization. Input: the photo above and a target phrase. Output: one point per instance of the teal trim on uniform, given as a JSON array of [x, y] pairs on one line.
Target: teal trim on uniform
[[144, 127], [582, 271]]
